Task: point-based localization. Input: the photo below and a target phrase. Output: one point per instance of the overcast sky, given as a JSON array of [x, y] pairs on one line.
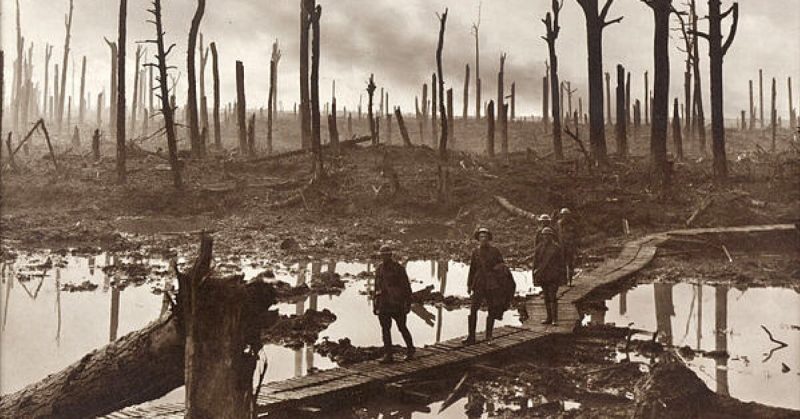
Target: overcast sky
[[396, 40]]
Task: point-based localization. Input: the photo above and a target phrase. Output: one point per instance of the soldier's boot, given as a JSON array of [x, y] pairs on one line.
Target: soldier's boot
[[472, 323], [549, 318], [555, 311], [489, 329]]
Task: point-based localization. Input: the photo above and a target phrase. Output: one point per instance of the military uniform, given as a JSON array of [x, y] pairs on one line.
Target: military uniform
[[568, 237], [489, 282], [549, 272], [393, 302]]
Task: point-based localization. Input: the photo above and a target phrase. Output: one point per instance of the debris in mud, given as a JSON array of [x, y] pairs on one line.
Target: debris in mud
[[428, 296], [297, 330], [124, 274], [327, 283], [289, 244], [344, 353], [84, 286]]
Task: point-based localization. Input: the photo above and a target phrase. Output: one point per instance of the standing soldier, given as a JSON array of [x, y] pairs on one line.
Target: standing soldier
[[568, 237], [392, 302], [543, 221], [489, 281], [548, 271]]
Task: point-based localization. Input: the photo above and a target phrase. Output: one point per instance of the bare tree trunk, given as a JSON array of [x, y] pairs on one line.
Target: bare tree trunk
[[513, 101], [677, 139], [316, 127], [112, 97], [552, 30], [370, 93], [150, 90], [191, 105], [647, 93], [424, 112], [306, 8], [500, 104], [215, 71], [608, 97], [490, 126], [466, 92], [203, 51], [121, 142], [450, 120], [2, 95], [761, 98], [752, 109], [660, 116], [622, 135], [135, 102], [270, 110], [442, 110], [48, 53], [476, 27], [774, 115], [717, 51], [100, 104], [251, 135], [434, 105], [241, 109], [64, 62], [402, 125], [167, 106], [545, 100], [333, 129], [628, 98], [595, 24], [83, 103], [792, 114]]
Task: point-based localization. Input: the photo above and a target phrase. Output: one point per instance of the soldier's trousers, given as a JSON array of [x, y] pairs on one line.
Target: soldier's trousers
[[386, 329]]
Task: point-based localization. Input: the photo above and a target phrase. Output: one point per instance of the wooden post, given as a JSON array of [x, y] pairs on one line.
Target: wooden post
[[677, 138], [241, 109], [466, 92], [622, 139], [402, 125], [490, 132]]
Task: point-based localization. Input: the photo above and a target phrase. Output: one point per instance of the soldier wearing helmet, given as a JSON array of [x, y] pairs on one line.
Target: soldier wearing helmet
[[487, 283], [549, 271], [392, 302], [568, 238]]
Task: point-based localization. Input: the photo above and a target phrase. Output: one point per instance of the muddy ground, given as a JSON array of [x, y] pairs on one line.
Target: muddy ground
[[271, 209]]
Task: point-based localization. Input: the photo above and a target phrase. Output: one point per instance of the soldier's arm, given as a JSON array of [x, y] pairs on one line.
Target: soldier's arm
[[378, 280], [472, 272], [406, 283]]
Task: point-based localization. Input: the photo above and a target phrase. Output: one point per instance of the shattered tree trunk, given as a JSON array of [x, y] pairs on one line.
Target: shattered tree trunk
[[697, 102], [316, 127], [112, 95], [677, 139], [306, 8], [716, 52], [167, 106], [401, 123], [191, 105], [774, 116], [203, 51], [621, 128], [135, 102], [608, 97], [442, 109], [370, 93], [241, 109], [553, 28], [333, 129], [466, 93], [251, 135], [83, 104], [500, 104], [451, 133], [215, 71], [65, 61], [490, 128], [660, 109], [761, 98], [424, 112], [122, 175], [752, 110], [270, 112]]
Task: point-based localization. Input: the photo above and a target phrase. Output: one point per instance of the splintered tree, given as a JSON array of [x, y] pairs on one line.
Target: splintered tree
[[241, 110], [316, 128], [466, 92], [167, 110], [501, 120], [698, 115], [552, 27], [595, 24], [198, 149], [622, 126], [677, 139], [306, 8], [716, 53], [215, 71], [442, 169], [476, 27], [273, 64], [112, 97], [660, 120], [203, 51], [135, 102], [83, 104], [62, 94], [370, 93], [48, 53], [276, 56], [120, 111]]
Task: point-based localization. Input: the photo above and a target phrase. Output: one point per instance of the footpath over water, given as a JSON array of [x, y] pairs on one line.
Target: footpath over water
[[331, 387]]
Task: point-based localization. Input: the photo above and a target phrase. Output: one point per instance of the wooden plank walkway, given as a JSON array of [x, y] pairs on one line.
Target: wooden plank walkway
[[348, 383]]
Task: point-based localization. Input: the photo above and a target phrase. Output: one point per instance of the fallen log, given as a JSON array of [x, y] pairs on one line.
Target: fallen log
[[508, 206], [141, 366], [300, 152]]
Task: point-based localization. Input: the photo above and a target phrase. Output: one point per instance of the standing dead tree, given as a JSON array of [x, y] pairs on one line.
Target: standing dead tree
[[698, 115], [424, 112], [490, 127], [112, 97], [370, 93], [660, 116], [306, 8], [466, 92], [276, 56], [608, 97], [64, 62], [476, 27], [333, 129], [135, 104], [792, 112], [203, 51], [83, 104], [716, 53], [688, 49], [198, 149], [215, 71], [273, 64], [434, 105], [752, 108], [677, 139], [316, 127], [241, 109], [121, 146], [167, 108], [546, 95], [595, 24], [774, 115], [760, 97], [552, 30], [48, 53], [501, 117], [442, 109], [402, 125], [622, 126]]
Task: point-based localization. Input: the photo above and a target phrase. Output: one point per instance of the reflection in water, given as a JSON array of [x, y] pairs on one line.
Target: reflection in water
[[58, 307], [114, 323], [9, 286], [736, 328], [721, 332]]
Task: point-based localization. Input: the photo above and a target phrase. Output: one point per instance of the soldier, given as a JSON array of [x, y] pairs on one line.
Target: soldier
[[549, 267], [543, 221], [568, 237], [392, 302], [489, 281]]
